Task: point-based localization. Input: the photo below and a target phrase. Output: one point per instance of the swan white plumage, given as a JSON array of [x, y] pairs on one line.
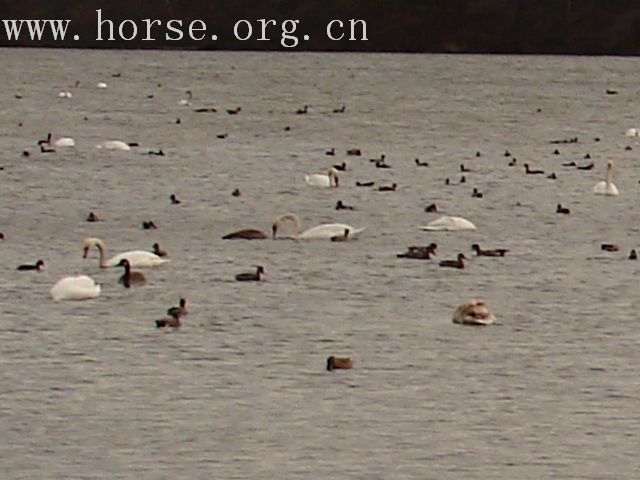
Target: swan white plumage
[[65, 94], [137, 258], [114, 145], [323, 231], [101, 85], [632, 132], [186, 101], [474, 312], [606, 187], [64, 142], [447, 223], [58, 142], [78, 287], [320, 180]]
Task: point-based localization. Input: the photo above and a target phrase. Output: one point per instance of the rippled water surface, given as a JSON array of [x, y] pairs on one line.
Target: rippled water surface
[[93, 390]]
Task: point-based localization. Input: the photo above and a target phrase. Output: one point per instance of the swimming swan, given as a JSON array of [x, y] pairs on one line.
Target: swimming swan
[[606, 187], [474, 312], [447, 223], [632, 132], [57, 142], [137, 258], [80, 287], [114, 145], [324, 231], [319, 180], [186, 101]]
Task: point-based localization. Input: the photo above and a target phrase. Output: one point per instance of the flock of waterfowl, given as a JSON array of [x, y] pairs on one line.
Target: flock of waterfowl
[[474, 312]]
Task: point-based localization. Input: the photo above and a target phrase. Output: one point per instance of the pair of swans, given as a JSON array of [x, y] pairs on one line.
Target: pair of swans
[[136, 258], [324, 231], [320, 180], [606, 187]]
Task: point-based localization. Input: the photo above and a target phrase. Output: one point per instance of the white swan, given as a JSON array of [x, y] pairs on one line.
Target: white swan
[[137, 258], [324, 231], [65, 94], [114, 145], [474, 312], [606, 187], [320, 180], [186, 101], [632, 132], [58, 142], [101, 85], [447, 223], [80, 287]]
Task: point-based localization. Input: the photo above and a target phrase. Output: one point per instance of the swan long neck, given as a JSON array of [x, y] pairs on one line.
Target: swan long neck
[[99, 244], [288, 216], [609, 174]]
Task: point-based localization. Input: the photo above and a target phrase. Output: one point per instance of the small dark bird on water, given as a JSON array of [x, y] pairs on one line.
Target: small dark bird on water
[[236, 193], [459, 263], [476, 193], [180, 310], [149, 225], [39, 266], [174, 199], [432, 208], [421, 164], [387, 188], [158, 251], [633, 255], [562, 210], [92, 217], [337, 363], [419, 252], [342, 206], [129, 278], [341, 166], [497, 252], [251, 277]]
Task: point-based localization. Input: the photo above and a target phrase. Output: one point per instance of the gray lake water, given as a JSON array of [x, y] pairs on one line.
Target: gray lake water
[[93, 390]]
